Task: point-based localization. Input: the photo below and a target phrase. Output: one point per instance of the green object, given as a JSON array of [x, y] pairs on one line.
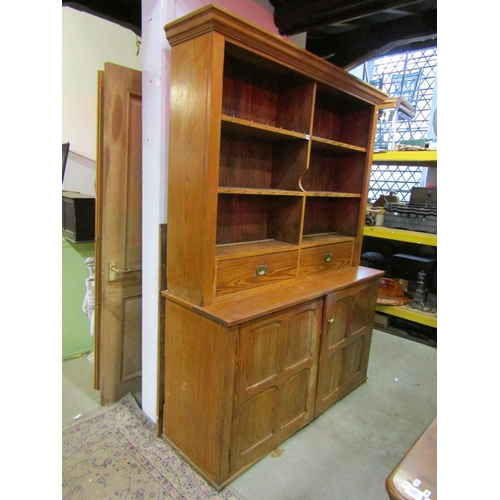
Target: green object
[[76, 338], [414, 142]]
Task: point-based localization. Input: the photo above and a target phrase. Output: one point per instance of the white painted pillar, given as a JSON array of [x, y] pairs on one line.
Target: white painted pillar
[[155, 116], [155, 95]]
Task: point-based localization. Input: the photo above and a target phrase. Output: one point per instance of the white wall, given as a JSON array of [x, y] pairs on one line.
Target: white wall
[[87, 43], [80, 174]]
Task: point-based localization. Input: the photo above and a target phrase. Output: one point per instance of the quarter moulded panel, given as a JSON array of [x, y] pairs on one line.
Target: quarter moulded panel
[[133, 255], [131, 341], [257, 421], [362, 307], [263, 349], [338, 317], [353, 358], [331, 374], [299, 338], [294, 398]]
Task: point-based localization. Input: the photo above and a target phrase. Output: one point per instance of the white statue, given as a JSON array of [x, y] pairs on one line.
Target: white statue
[[89, 300]]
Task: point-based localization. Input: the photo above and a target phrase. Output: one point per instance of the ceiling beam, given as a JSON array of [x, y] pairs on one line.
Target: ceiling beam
[[296, 16], [351, 48]]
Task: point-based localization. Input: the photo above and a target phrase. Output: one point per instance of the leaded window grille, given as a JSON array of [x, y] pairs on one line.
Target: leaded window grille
[[388, 73]]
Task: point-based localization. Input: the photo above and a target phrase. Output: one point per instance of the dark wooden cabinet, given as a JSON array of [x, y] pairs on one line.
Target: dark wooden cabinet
[[78, 217], [269, 159]]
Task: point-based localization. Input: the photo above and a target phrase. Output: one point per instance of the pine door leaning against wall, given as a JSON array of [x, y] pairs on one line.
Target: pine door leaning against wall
[[118, 331]]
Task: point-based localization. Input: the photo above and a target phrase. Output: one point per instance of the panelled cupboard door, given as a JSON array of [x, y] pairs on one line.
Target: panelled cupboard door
[[345, 342], [119, 233], [276, 380]]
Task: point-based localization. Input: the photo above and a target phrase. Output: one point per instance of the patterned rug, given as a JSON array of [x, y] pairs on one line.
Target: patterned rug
[[115, 454]]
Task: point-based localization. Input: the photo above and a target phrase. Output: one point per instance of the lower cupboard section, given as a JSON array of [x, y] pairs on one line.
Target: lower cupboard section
[[233, 394], [276, 380]]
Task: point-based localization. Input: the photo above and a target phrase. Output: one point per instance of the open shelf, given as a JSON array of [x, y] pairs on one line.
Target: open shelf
[[341, 118], [252, 218], [331, 215], [248, 161], [334, 170], [257, 90]]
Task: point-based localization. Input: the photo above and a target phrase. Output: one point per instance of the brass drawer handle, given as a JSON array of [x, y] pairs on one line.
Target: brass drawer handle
[[328, 257], [261, 270], [331, 321]]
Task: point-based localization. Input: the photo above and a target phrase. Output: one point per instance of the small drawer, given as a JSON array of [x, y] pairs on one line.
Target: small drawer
[[315, 260], [234, 275]]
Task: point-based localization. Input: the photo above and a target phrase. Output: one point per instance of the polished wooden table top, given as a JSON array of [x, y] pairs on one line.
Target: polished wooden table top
[[415, 477]]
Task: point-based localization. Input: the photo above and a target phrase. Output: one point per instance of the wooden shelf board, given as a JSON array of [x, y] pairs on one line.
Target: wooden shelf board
[[406, 312], [258, 191], [418, 158], [248, 248], [329, 144], [331, 194], [263, 131], [401, 235], [283, 192], [313, 240]]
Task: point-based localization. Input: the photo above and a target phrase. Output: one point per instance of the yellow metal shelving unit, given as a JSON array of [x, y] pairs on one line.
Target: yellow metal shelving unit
[[406, 312], [421, 158], [401, 235], [426, 158]]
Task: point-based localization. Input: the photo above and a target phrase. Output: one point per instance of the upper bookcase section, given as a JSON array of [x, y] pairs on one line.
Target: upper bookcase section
[[266, 46], [269, 159]]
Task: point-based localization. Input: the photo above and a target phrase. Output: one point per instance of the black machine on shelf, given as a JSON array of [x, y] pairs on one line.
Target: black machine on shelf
[[418, 215]]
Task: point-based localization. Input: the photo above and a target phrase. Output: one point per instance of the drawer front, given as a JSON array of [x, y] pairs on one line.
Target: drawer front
[[325, 257], [234, 275]]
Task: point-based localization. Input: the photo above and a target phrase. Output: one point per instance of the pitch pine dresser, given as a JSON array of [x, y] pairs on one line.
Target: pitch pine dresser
[[268, 314]]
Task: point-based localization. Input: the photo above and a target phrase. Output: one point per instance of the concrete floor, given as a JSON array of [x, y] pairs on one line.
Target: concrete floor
[[347, 452]]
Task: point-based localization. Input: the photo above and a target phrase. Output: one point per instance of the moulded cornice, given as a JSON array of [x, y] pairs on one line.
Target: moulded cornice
[[213, 18]]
